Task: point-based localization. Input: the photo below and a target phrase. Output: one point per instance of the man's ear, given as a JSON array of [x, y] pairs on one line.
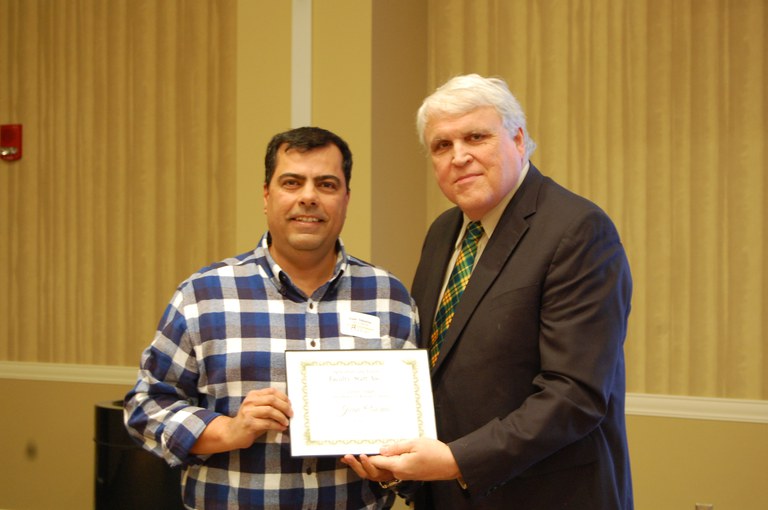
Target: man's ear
[[519, 140]]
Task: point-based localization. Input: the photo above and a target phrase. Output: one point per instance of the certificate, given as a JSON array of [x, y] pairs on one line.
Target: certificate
[[356, 401]]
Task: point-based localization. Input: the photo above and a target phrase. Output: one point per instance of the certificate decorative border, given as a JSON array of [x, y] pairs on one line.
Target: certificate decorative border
[[305, 388], [300, 363]]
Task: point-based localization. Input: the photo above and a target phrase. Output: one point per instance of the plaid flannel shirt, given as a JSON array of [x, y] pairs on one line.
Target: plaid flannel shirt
[[224, 334]]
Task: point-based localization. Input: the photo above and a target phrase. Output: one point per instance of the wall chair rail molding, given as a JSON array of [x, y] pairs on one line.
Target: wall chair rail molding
[[638, 404], [697, 408], [65, 372]]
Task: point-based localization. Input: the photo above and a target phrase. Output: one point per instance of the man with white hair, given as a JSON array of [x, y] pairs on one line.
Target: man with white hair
[[526, 339]]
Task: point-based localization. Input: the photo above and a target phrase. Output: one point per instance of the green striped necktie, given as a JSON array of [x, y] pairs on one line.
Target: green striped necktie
[[455, 288]]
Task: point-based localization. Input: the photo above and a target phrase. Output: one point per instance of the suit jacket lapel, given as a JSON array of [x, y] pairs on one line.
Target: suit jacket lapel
[[510, 230]]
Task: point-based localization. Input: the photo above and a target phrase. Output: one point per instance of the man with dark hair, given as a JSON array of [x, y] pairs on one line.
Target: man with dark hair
[[305, 139], [211, 387]]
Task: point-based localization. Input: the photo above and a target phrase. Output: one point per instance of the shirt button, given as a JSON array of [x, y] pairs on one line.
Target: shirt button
[[309, 470], [313, 343]]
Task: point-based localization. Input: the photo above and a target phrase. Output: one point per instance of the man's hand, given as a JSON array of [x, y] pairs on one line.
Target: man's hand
[[261, 411], [420, 459], [366, 470]]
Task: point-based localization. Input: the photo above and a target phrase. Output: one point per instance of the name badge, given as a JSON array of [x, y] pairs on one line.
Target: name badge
[[359, 324]]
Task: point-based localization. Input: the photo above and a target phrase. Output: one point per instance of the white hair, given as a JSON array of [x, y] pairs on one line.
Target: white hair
[[462, 94]]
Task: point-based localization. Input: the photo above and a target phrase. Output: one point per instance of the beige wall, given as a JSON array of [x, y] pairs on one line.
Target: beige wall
[[399, 78], [263, 105], [48, 443], [369, 75], [679, 462]]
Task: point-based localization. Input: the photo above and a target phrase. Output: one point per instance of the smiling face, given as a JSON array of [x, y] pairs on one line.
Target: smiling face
[[306, 205], [475, 159]]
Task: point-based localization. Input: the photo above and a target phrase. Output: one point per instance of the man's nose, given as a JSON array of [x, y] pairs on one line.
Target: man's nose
[[308, 195], [461, 155]]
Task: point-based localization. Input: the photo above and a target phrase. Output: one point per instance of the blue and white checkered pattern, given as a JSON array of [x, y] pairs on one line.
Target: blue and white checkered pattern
[[224, 334]]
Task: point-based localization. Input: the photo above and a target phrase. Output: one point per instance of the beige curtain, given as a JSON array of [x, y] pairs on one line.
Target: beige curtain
[[656, 110], [127, 178]]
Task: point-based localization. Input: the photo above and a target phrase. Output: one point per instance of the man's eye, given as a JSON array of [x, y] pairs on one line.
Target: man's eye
[[477, 137], [440, 146], [327, 185]]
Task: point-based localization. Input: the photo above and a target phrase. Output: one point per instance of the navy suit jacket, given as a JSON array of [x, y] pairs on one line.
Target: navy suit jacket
[[529, 386]]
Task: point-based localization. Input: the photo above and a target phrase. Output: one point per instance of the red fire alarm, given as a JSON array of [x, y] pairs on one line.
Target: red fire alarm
[[10, 142]]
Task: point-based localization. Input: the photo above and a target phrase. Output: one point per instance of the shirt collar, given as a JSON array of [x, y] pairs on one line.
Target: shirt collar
[[280, 277]]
